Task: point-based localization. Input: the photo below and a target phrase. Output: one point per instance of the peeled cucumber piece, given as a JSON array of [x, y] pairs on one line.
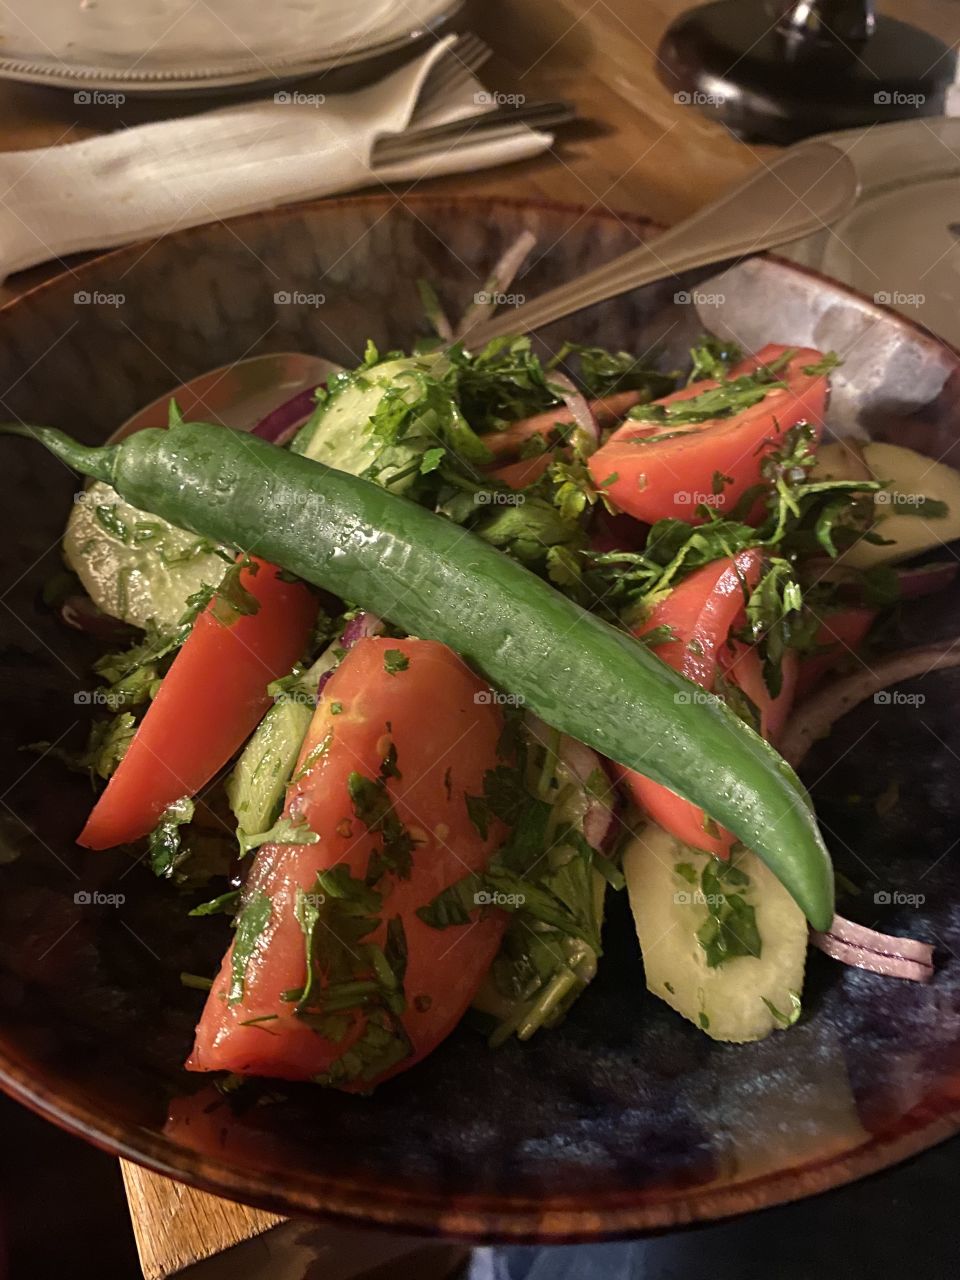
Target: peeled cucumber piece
[[840, 460], [256, 787], [338, 432], [134, 566], [900, 509], [743, 998]]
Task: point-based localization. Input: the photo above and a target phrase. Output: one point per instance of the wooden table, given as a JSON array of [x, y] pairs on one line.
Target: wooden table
[[637, 151]]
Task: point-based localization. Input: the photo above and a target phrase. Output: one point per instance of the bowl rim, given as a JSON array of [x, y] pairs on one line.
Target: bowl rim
[[374, 1203]]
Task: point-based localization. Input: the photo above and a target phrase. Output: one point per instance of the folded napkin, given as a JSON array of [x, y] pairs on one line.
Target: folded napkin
[[143, 181]]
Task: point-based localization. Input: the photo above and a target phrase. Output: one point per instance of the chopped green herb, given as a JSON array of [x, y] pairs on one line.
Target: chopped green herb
[[373, 806], [285, 830], [730, 929], [109, 520], [394, 661], [789, 1018], [195, 982], [252, 918], [225, 904], [164, 842]]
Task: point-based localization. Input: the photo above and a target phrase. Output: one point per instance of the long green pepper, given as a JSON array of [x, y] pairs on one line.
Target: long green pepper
[[433, 579]]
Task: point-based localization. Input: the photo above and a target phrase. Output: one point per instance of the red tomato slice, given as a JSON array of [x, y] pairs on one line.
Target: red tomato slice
[[209, 703], [845, 632], [654, 478], [741, 664], [517, 475], [445, 729], [701, 611], [606, 410]]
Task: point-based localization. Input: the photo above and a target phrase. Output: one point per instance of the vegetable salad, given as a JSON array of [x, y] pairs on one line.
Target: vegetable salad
[[409, 687]]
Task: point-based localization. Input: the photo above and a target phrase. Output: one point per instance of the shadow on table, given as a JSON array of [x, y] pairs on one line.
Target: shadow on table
[[62, 1209]]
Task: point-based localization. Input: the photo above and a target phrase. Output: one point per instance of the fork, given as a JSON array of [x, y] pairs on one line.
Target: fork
[[466, 56]]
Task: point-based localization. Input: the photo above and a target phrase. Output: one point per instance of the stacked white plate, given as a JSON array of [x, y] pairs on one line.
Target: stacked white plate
[[900, 244], [177, 46]]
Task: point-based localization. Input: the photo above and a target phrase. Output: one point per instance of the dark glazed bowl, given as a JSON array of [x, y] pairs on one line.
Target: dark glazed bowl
[[625, 1118]]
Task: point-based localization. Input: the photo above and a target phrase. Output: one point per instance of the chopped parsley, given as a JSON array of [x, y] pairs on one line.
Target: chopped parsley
[[395, 661], [225, 904], [373, 806], [252, 918], [285, 830], [165, 841], [730, 929]]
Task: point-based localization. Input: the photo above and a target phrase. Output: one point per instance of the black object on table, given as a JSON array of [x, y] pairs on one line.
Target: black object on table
[[777, 72]]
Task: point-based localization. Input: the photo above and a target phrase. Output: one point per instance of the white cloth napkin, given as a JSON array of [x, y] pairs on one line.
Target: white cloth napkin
[[141, 182]]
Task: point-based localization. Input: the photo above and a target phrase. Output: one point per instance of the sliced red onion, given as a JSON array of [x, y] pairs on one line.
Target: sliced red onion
[[579, 408], [817, 716], [280, 423], [498, 282], [850, 943], [80, 613], [926, 580], [358, 628], [583, 762], [864, 948]]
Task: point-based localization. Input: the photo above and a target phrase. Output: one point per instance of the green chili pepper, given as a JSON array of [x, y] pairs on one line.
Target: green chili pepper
[[428, 576]]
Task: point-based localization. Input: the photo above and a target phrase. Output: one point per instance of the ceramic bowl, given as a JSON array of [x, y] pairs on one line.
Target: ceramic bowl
[[623, 1119]]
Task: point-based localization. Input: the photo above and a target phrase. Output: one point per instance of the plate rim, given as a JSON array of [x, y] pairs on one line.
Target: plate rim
[[244, 73], [515, 1219]]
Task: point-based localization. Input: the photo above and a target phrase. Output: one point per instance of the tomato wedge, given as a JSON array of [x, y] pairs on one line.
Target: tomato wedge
[[701, 612], [209, 702], [844, 632], [517, 475], [654, 471], [416, 704], [741, 665], [607, 409]]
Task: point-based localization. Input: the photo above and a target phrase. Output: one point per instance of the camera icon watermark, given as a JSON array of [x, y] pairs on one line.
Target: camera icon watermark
[[894, 698], [895, 98], [497, 498], [486, 299], [94, 898], [96, 298], [884, 898], [897, 298], [294, 98], [98, 98], [93, 698], [297, 298], [697, 898], [494, 898], [894, 498], [697, 298], [697, 98], [697, 498], [494, 698], [695, 698], [493, 98]]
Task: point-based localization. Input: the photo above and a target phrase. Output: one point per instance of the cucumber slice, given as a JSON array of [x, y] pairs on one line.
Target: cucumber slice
[[337, 433], [255, 788], [744, 998], [841, 460], [901, 517], [135, 566]]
